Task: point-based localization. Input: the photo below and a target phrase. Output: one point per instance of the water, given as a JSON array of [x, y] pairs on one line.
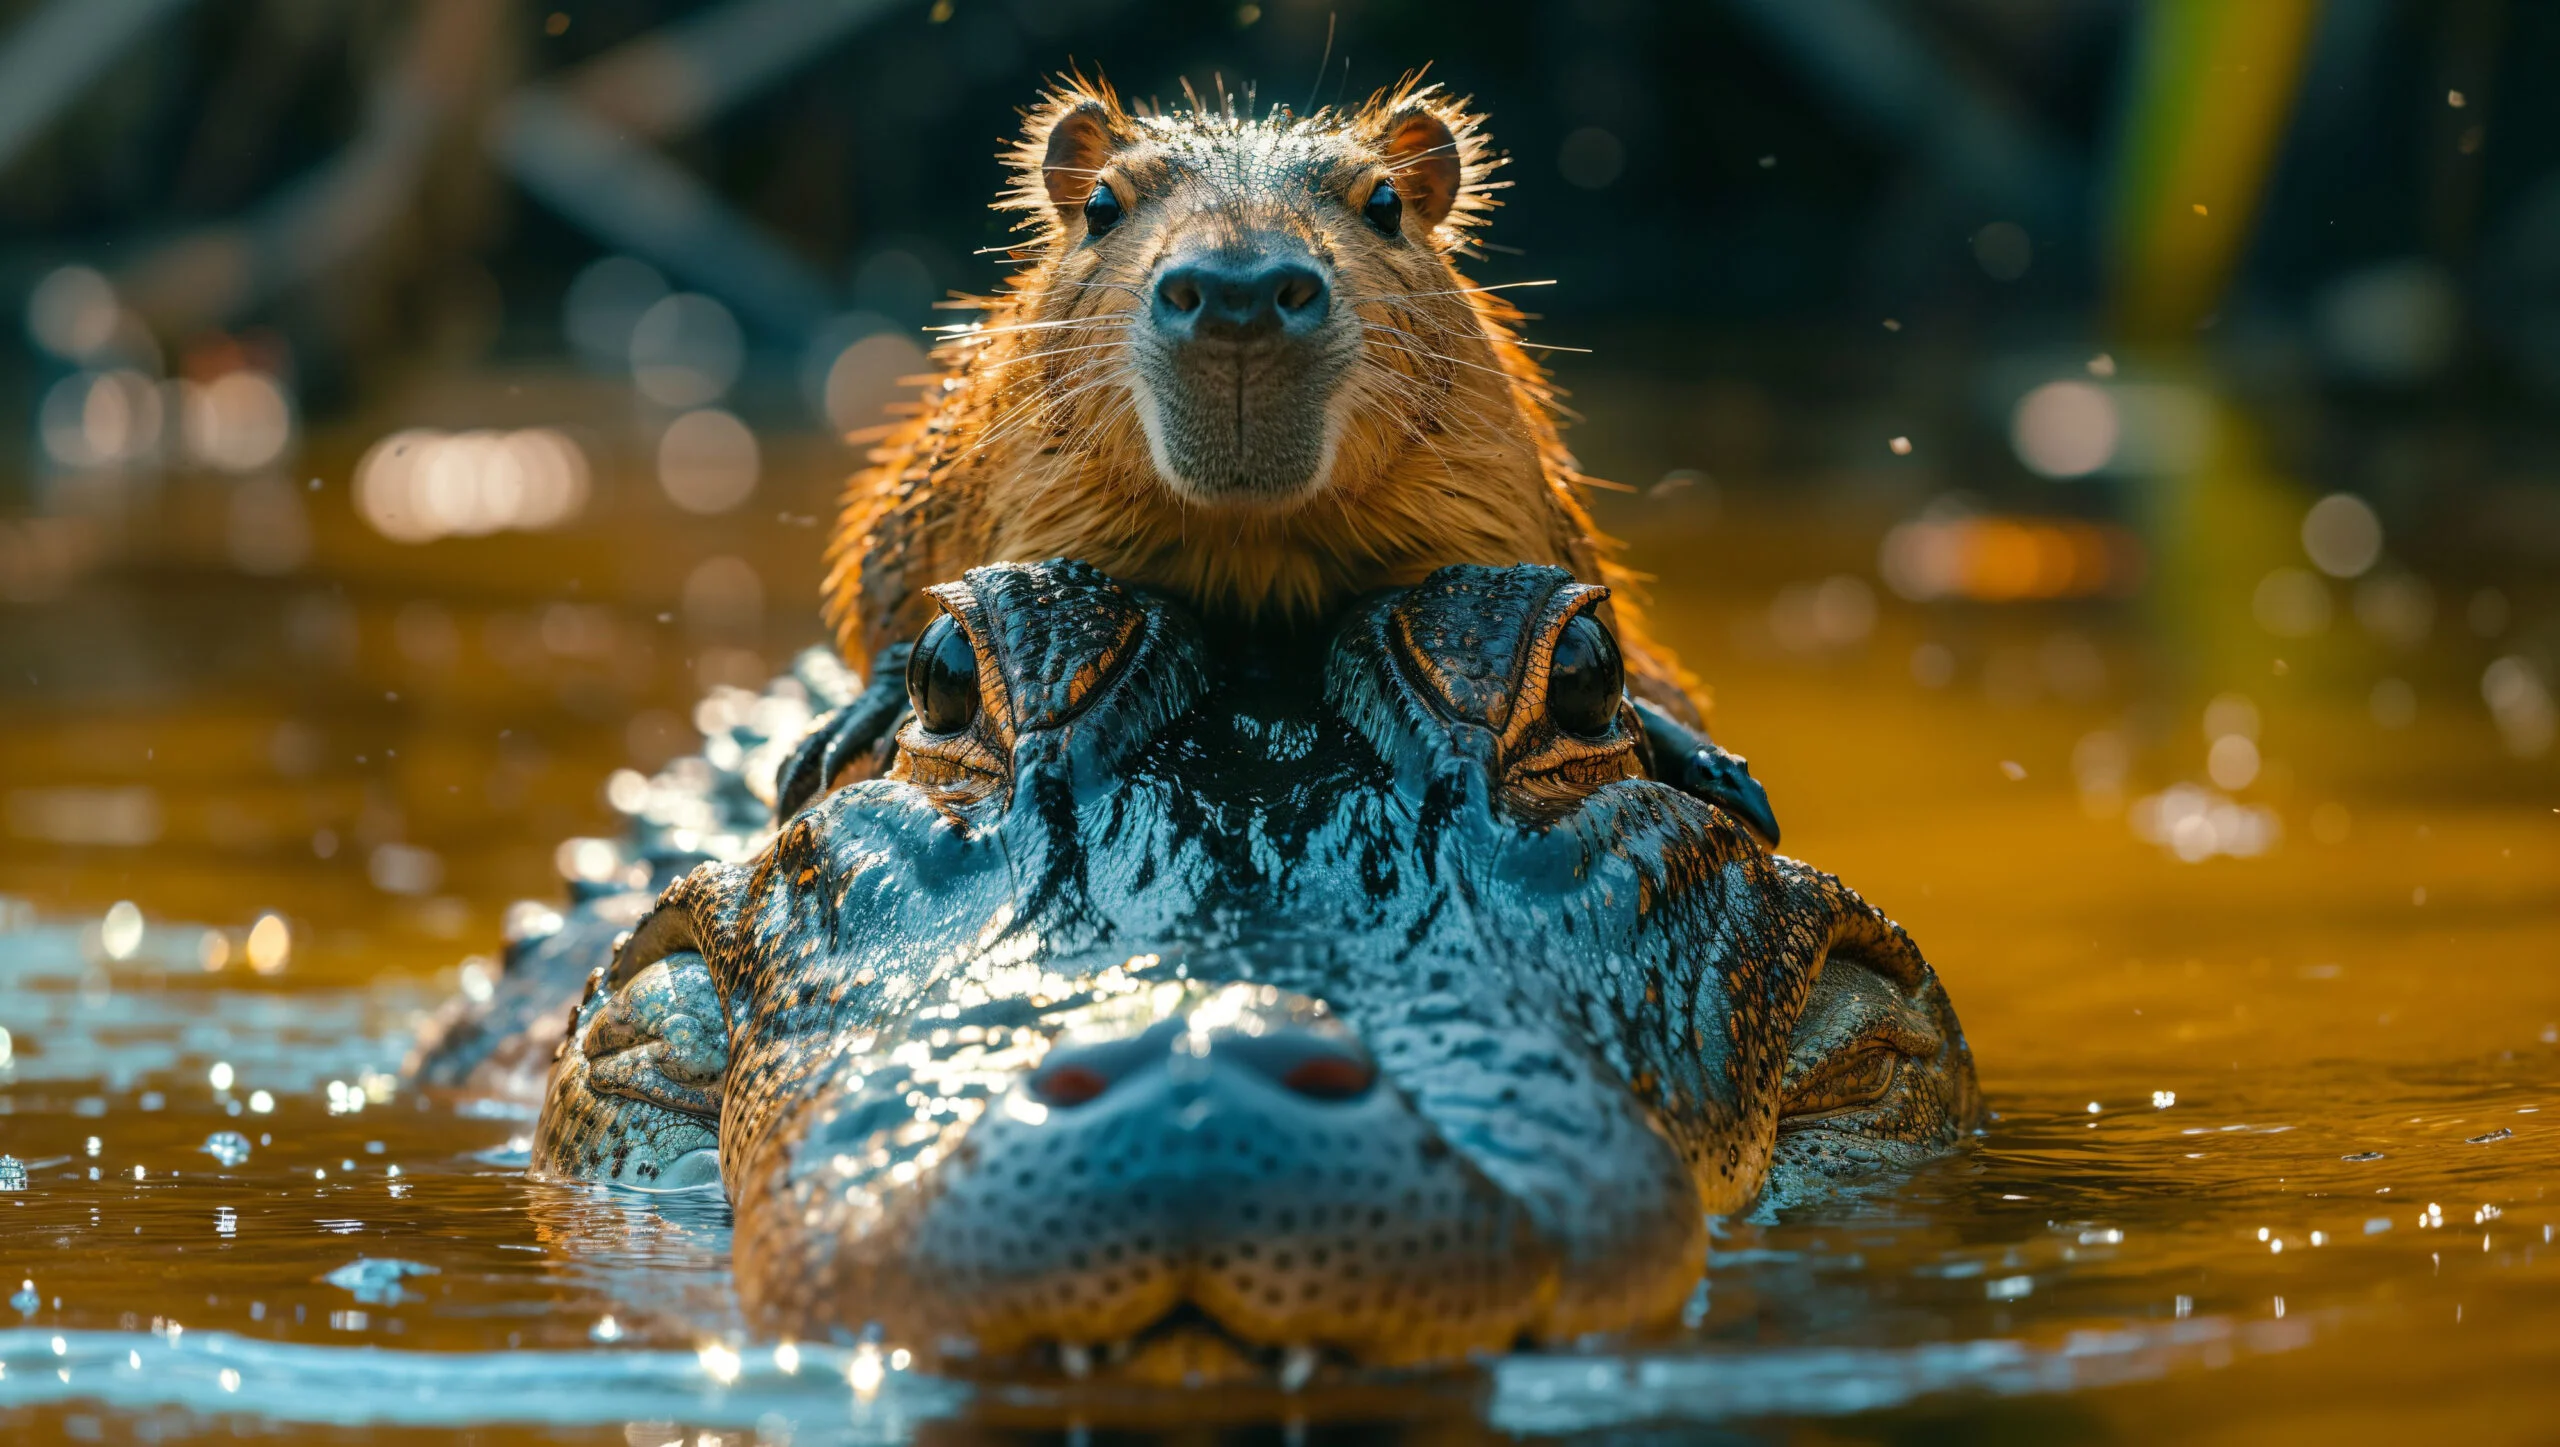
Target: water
[[2271, 1153]]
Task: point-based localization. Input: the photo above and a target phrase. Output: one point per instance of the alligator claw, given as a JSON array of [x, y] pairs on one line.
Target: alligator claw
[[1694, 764], [837, 739], [1724, 779]]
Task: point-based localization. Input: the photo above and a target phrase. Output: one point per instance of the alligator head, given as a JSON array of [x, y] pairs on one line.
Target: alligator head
[[1184, 1005]]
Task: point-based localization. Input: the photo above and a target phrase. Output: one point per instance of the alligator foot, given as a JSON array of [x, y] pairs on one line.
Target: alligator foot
[[866, 726], [1690, 761]]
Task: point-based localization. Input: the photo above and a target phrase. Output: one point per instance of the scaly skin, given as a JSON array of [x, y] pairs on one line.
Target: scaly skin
[[1012, 1031]]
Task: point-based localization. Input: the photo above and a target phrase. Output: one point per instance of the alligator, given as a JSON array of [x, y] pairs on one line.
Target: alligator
[[1190, 1004]]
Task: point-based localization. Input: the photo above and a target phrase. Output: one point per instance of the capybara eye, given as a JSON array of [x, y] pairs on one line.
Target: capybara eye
[[1585, 679], [942, 678], [1384, 208], [1101, 210]]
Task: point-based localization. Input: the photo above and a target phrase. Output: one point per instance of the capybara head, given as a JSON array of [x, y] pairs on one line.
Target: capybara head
[[1273, 290]]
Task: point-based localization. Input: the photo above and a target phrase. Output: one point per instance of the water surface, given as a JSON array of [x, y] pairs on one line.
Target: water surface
[[2272, 1141]]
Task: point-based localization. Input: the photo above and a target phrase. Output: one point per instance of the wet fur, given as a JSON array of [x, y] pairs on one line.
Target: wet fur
[[1444, 443]]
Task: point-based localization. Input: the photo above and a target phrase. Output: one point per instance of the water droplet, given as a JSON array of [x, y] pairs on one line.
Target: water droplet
[[270, 944], [120, 933], [376, 1280]]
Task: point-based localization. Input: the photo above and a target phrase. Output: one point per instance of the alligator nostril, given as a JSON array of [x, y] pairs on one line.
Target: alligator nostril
[[1330, 1077], [1070, 1085]]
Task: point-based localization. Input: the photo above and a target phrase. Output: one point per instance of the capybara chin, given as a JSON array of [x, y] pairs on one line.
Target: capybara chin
[[1238, 363]]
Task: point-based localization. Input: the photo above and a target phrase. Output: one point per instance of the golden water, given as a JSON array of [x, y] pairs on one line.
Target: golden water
[[2272, 1142]]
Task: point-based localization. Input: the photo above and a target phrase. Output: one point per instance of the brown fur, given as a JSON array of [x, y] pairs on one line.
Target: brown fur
[[1028, 445]]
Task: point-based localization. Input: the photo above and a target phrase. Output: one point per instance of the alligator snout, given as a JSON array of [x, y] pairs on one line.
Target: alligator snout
[[1225, 1188]]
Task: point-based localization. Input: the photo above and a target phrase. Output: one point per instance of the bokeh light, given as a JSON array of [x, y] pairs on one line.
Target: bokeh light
[[270, 944], [2291, 603], [102, 419], [1833, 614], [2398, 609], [238, 422], [2194, 824], [2232, 762], [120, 933], [686, 350], [723, 599], [2003, 250], [72, 313], [2009, 559], [2065, 429], [2519, 699], [2230, 714], [2342, 536], [587, 861], [707, 461], [869, 375], [421, 484], [404, 869]]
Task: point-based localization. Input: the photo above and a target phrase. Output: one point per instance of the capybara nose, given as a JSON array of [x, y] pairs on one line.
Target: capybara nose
[[1240, 298], [1317, 1060]]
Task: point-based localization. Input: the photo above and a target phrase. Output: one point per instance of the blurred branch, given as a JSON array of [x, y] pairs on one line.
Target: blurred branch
[[671, 80], [578, 146], [56, 53], [1875, 69], [212, 277], [629, 197]]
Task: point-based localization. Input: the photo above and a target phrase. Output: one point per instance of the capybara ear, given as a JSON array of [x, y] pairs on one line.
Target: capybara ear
[[1435, 148], [1066, 140], [1072, 153], [1423, 155]]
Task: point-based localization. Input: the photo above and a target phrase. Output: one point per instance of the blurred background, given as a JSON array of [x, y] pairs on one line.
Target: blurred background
[[2072, 436]]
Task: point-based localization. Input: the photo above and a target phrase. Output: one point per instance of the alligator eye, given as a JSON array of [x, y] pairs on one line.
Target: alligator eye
[[1861, 1079], [1384, 208], [1101, 210], [1585, 679], [942, 678]]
